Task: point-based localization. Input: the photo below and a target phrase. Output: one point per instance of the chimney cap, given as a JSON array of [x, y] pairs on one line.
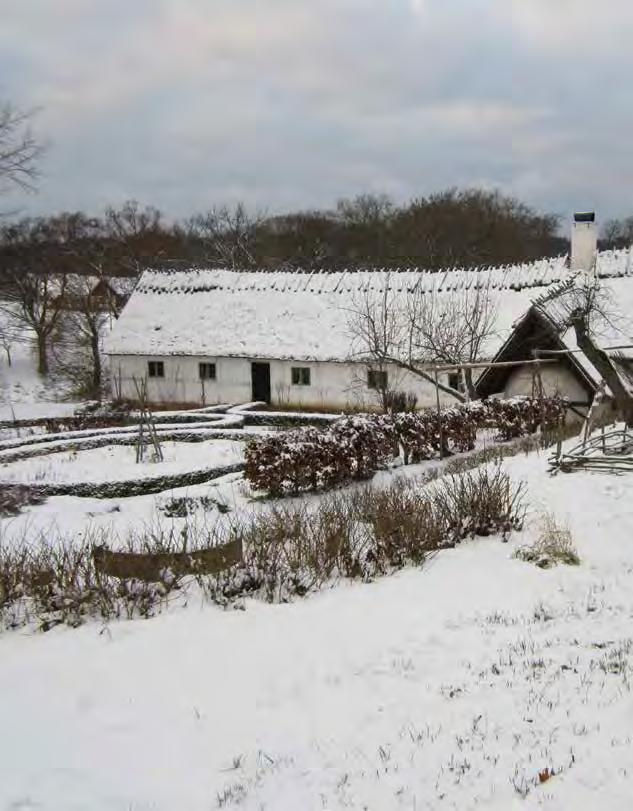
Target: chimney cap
[[585, 216]]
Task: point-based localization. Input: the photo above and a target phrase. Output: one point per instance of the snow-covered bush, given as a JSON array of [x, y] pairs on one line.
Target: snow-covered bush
[[288, 550], [521, 416], [421, 434], [57, 582], [313, 459], [356, 447], [368, 442]]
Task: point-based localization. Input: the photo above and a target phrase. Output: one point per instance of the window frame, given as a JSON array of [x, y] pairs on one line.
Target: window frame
[[156, 369], [207, 365], [303, 375], [377, 379]]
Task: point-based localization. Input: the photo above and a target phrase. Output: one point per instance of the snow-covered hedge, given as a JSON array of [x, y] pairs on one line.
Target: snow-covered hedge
[[356, 447], [520, 416], [310, 459]]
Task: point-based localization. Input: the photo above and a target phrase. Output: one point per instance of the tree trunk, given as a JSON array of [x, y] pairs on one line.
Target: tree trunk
[[470, 385], [602, 363], [42, 354], [96, 364]]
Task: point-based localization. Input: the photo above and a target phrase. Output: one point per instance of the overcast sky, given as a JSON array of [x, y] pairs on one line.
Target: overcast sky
[[294, 103]]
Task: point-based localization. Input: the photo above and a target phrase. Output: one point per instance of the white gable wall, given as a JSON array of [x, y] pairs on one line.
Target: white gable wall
[[332, 385], [557, 380]]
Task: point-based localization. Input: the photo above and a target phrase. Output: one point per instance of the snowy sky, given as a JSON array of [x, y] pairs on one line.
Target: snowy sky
[[294, 103]]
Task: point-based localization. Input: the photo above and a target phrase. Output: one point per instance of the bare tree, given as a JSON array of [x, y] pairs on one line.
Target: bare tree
[[453, 328], [228, 235], [6, 342], [415, 329], [365, 210], [36, 301], [79, 357], [617, 233], [135, 238], [19, 149], [35, 257]]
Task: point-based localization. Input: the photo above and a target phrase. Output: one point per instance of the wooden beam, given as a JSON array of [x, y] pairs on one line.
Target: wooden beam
[[455, 367], [577, 351]]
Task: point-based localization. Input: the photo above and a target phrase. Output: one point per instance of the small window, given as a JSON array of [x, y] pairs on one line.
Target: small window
[[300, 376], [377, 379], [207, 371], [156, 368], [455, 381]]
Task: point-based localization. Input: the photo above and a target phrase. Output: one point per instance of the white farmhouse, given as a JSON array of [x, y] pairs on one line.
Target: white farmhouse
[[217, 336], [201, 337]]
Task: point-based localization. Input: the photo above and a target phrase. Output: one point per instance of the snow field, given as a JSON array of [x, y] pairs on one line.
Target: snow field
[[453, 686]]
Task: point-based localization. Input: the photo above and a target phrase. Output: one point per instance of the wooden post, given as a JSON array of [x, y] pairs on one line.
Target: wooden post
[[539, 380], [597, 399], [439, 415]]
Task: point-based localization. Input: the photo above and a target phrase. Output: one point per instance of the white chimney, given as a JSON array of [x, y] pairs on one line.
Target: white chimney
[[584, 241]]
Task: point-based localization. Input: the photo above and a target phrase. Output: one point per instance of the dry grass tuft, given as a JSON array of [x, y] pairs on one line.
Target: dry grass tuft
[[554, 545]]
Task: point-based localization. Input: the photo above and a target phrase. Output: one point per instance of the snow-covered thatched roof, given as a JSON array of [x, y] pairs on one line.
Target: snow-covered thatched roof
[[263, 314]]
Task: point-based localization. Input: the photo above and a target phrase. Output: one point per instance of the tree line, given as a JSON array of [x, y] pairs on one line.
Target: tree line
[[454, 228]]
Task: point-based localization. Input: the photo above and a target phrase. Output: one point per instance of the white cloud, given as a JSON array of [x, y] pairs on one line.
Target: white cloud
[[577, 29], [294, 102]]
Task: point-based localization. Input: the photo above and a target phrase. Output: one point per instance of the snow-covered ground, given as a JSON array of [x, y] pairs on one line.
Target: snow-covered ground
[[72, 518], [118, 463], [453, 686], [23, 393]]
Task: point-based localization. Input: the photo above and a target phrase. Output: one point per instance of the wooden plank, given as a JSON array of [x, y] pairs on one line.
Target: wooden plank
[[154, 567]]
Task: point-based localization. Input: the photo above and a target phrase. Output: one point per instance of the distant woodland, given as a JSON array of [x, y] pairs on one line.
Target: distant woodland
[[454, 228], [467, 228]]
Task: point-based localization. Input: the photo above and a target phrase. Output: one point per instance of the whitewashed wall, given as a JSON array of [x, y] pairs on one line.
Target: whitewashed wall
[[332, 385], [557, 379]]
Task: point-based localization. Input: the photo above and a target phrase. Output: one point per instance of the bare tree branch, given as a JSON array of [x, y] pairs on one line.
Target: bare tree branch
[[415, 329], [20, 150], [228, 234]]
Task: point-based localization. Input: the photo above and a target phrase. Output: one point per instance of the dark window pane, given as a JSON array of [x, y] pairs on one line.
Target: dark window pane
[[300, 375], [207, 371], [377, 379]]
